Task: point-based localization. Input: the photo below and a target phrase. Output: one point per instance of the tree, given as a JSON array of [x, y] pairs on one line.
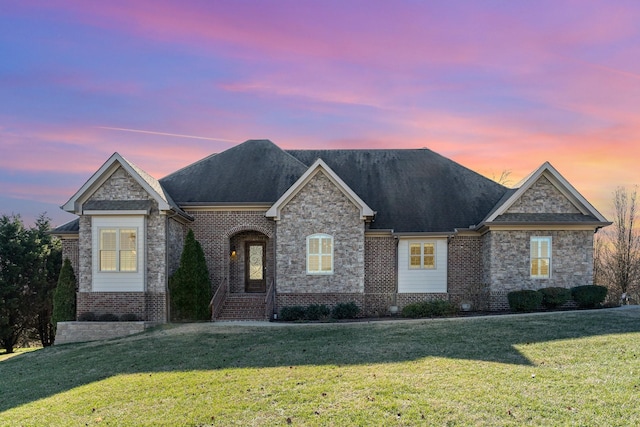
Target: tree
[[617, 255], [14, 255], [189, 286], [64, 298], [48, 254], [29, 260]]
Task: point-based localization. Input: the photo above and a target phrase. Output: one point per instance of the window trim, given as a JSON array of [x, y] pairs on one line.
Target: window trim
[[538, 256], [118, 249], [422, 244], [320, 254]]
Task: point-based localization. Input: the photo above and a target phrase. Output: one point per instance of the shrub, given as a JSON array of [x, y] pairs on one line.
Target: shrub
[[108, 317], [317, 312], [589, 296], [525, 300], [292, 313], [437, 308], [87, 317], [129, 317], [189, 286], [64, 297], [554, 296], [345, 310]]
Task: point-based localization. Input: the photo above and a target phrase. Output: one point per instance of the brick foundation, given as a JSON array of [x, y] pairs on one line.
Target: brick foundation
[[148, 307]]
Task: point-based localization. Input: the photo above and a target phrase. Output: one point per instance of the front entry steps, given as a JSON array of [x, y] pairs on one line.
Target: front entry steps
[[243, 307]]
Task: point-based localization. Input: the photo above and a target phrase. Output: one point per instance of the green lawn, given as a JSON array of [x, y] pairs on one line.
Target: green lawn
[[568, 368]]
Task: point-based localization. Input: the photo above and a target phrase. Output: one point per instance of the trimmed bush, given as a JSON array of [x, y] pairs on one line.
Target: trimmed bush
[[525, 300], [554, 297], [189, 286], [108, 317], [345, 310], [317, 312], [589, 296], [129, 317], [64, 297], [292, 313], [437, 308], [87, 317]]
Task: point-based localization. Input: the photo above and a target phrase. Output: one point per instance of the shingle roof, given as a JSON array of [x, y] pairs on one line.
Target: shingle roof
[[411, 190], [256, 171], [71, 227]]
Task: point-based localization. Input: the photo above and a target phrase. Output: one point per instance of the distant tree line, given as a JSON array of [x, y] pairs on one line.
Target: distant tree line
[[30, 261], [617, 250]]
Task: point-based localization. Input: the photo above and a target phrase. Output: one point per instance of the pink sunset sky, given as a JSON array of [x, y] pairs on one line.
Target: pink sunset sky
[[493, 85]]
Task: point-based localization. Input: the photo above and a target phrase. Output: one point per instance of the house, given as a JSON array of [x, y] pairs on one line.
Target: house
[[382, 228]]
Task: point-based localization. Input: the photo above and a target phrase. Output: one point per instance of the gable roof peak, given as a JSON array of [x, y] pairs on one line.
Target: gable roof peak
[[558, 181], [151, 185], [366, 213]]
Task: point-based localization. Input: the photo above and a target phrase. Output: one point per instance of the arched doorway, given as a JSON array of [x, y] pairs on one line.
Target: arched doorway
[[251, 262]]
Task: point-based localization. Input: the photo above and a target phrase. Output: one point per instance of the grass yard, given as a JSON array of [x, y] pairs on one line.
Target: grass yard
[[567, 368]]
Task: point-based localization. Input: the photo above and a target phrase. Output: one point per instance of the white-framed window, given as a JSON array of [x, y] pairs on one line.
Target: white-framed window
[[422, 255], [540, 257], [118, 250], [319, 254]]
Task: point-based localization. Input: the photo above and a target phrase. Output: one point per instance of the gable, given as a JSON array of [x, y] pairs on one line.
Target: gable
[[545, 197], [119, 180], [319, 167]]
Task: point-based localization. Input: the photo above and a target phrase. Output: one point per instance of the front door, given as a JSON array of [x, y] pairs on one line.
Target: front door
[[254, 267]]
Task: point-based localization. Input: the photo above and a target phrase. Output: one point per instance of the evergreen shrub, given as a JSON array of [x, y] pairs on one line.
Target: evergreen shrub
[[189, 286], [108, 317], [589, 296], [345, 310], [87, 316], [292, 313], [437, 308], [317, 312], [524, 300], [64, 297], [554, 297]]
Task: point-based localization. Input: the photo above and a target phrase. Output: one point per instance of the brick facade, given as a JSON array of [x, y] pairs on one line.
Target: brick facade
[[320, 207], [380, 274], [464, 272], [215, 230], [70, 251]]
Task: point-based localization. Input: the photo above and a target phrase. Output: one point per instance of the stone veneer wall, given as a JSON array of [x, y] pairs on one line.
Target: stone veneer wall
[[543, 197], [214, 229], [465, 282], [149, 305], [508, 268], [320, 207]]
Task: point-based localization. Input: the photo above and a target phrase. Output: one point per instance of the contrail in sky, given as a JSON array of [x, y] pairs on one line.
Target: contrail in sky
[[166, 134]]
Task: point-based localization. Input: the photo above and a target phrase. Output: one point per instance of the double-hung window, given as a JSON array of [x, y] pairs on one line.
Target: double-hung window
[[118, 249], [540, 257], [319, 254], [422, 255]]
